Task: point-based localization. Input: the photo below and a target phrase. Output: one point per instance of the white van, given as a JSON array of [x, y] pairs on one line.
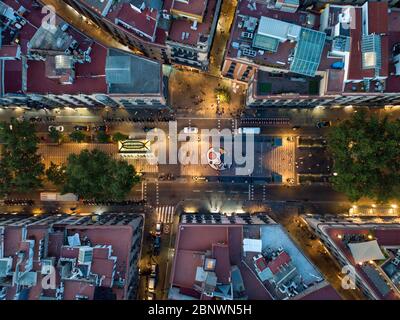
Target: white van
[[249, 130], [152, 284], [190, 130]]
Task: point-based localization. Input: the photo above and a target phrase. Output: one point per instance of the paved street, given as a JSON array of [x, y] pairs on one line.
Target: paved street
[[84, 25]]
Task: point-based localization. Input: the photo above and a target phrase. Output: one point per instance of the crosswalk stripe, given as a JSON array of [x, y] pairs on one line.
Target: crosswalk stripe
[[165, 214]]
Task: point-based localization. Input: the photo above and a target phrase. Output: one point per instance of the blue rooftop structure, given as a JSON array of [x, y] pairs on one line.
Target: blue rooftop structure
[[308, 51]]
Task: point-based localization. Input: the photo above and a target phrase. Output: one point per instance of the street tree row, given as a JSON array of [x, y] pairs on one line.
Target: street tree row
[[366, 152], [89, 175]]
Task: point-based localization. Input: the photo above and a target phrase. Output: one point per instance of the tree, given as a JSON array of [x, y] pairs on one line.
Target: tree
[[21, 168], [223, 94], [118, 136], [54, 135], [96, 175], [56, 174], [103, 137], [366, 152], [77, 136]]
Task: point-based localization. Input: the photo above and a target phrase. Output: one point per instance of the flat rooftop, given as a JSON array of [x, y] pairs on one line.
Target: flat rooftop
[[132, 74], [306, 55], [196, 239], [187, 32], [109, 237], [387, 237]]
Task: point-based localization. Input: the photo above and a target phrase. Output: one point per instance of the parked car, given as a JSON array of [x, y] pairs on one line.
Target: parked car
[[101, 128], [156, 245], [159, 227], [147, 129], [57, 128], [151, 296], [152, 284], [81, 128], [154, 270], [157, 242], [323, 124], [199, 178], [190, 130]]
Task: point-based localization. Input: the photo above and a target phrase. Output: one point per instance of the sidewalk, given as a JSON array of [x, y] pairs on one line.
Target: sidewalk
[[304, 117]]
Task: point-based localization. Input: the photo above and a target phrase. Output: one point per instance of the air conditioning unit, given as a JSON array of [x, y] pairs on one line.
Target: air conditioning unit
[[85, 254], [47, 266], [5, 266]]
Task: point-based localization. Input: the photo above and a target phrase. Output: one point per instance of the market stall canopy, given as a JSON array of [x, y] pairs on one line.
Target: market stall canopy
[[366, 251]]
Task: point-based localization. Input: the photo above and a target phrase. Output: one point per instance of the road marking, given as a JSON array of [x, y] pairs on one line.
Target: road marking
[[157, 194], [144, 190], [251, 192], [208, 191], [196, 190], [264, 192], [165, 214]]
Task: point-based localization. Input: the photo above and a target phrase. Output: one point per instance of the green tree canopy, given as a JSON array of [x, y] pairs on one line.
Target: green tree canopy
[[54, 135], [21, 168], [96, 175], [223, 94], [77, 136], [56, 174], [118, 136], [366, 152], [103, 137]]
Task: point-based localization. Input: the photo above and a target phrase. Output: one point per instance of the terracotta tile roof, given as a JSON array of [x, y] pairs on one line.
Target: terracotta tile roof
[[384, 236], [189, 260], [90, 77], [378, 17], [192, 7], [10, 51], [275, 265], [220, 252], [356, 71], [145, 21], [191, 244], [261, 264], [178, 26], [325, 293]]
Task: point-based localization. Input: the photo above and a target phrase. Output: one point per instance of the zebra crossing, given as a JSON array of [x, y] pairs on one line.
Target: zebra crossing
[[165, 214], [234, 125], [251, 192]]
